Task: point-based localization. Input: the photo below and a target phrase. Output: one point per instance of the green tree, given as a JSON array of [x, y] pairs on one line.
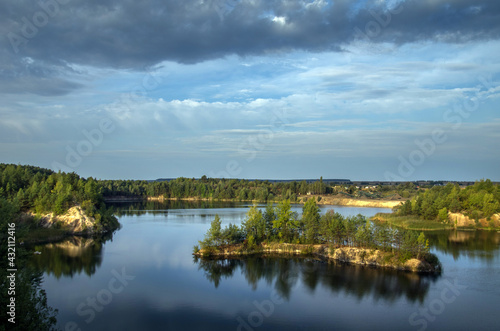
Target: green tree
[[255, 224], [490, 206], [422, 246], [232, 235], [285, 222], [333, 228], [383, 237], [443, 214], [213, 237], [310, 218], [269, 218], [351, 226], [404, 208], [364, 235]]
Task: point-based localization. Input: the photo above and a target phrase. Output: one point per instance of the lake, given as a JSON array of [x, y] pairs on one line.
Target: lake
[[144, 277]]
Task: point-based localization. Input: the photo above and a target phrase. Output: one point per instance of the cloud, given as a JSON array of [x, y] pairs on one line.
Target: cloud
[[355, 78], [42, 44], [131, 34]]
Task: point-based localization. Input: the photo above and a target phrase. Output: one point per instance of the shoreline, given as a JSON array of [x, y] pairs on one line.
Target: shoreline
[[325, 200], [351, 255], [464, 223], [49, 228]]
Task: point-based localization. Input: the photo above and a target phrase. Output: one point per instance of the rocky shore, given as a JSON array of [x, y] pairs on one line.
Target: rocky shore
[[73, 222], [352, 255]]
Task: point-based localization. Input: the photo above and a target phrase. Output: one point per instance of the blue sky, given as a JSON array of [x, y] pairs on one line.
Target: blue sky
[[253, 89]]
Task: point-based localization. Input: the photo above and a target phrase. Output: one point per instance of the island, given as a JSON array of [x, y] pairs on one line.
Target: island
[[354, 240]]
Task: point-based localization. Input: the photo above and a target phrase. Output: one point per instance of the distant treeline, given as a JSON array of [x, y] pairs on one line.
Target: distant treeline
[[29, 188], [241, 189], [480, 200], [280, 224], [211, 188]]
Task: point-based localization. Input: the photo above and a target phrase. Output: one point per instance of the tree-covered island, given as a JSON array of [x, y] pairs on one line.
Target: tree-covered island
[[333, 236]]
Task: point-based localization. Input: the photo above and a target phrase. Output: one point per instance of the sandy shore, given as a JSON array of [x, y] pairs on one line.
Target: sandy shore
[[325, 200]]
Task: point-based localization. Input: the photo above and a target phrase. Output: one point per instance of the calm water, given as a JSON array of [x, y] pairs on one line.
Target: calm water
[[145, 278]]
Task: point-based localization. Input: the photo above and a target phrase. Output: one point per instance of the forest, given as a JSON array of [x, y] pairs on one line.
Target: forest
[[212, 188], [481, 200], [241, 189], [24, 187], [29, 188], [280, 224]]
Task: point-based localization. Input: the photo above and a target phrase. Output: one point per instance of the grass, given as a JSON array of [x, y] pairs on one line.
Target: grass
[[410, 222]]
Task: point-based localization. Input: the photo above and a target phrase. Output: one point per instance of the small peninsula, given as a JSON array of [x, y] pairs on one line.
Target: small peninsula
[[47, 206], [475, 207]]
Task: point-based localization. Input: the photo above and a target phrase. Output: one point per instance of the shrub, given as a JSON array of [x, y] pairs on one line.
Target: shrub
[[309, 250], [250, 244]]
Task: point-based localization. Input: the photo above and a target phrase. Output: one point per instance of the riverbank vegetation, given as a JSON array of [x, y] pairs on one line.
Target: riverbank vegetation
[[410, 222], [31, 310], [279, 225], [432, 208], [27, 193]]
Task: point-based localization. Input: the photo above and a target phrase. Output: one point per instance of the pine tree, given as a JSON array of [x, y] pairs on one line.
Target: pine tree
[[310, 218]]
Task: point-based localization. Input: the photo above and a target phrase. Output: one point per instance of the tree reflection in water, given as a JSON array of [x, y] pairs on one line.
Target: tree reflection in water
[[162, 207], [284, 273], [71, 256], [483, 245], [31, 309]]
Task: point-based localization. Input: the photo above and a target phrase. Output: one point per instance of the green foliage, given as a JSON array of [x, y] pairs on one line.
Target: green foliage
[[255, 225], [480, 200], [310, 219], [364, 235], [31, 299], [213, 238], [286, 223], [331, 229], [269, 217], [422, 245], [251, 243], [232, 235], [215, 188], [383, 238], [443, 214], [44, 191]]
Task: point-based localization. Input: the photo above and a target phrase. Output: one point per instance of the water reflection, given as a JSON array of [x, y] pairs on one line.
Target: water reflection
[[71, 256], [484, 245], [162, 207], [31, 310], [284, 273]]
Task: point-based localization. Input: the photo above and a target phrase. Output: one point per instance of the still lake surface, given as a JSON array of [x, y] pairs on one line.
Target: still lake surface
[[145, 278]]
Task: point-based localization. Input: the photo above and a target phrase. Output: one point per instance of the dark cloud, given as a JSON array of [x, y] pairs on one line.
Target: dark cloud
[[20, 75], [137, 34]]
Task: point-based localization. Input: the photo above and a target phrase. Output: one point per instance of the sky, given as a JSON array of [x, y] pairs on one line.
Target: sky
[[259, 89]]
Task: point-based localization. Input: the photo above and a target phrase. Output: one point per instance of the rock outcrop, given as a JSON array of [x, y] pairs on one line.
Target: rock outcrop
[[461, 220], [74, 221]]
